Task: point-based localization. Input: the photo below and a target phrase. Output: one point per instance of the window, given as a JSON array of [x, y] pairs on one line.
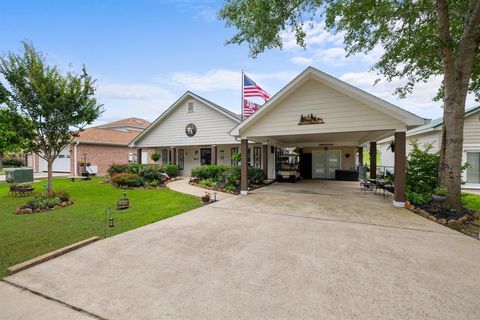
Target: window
[[164, 156], [190, 106], [473, 172], [257, 157], [234, 162], [181, 159]]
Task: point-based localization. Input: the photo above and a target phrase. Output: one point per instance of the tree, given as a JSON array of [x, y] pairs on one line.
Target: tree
[[57, 105], [15, 132], [420, 38]]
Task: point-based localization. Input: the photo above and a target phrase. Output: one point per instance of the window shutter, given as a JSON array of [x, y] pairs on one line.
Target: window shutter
[[190, 106]]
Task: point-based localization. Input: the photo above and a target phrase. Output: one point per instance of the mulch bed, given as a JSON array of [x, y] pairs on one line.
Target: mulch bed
[[445, 213]]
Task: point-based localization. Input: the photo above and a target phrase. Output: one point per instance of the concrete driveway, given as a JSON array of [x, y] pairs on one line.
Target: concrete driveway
[[312, 250]]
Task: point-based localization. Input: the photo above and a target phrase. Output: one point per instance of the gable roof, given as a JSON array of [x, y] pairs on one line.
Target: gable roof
[[409, 118], [105, 136], [128, 122], [437, 123], [227, 113]]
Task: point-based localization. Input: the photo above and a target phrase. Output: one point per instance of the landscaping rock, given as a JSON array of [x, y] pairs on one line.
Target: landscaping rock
[[476, 215], [454, 224], [464, 219], [442, 221], [63, 204], [430, 217], [23, 211]]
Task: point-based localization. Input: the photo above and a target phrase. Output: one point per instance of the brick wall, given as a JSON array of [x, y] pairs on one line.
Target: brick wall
[[102, 156]]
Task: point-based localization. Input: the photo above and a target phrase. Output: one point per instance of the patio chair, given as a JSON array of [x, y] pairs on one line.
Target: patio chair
[[367, 185]]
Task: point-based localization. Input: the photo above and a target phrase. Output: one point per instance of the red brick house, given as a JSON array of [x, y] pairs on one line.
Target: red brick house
[[98, 146]]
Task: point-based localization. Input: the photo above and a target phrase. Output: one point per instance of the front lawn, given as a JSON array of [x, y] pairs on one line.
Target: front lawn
[[23, 237]]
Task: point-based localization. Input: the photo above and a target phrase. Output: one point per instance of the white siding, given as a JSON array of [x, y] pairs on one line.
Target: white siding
[[471, 129], [212, 127], [340, 112]]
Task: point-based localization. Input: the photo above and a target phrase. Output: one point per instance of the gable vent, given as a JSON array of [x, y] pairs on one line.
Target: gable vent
[[190, 106]]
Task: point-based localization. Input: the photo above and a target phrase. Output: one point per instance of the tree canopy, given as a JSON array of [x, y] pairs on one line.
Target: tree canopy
[[57, 105]]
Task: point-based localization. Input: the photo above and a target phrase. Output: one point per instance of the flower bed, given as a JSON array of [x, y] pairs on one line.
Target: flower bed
[[459, 221], [134, 176], [42, 203], [225, 178]]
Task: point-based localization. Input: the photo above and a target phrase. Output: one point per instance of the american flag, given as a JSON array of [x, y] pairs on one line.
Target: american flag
[[249, 107], [251, 89]]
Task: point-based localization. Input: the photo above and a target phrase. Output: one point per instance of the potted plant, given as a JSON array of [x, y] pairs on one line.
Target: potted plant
[[439, 194], [206, 197], [155, 156]]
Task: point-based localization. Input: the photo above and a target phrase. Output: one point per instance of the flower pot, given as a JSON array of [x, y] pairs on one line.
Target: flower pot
[[205, 199], [438, 199]]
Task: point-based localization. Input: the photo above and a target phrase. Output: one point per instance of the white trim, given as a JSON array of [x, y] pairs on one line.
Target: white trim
[[407, 117], [173, 107], [75, 158], [398, 204], [243, 192]]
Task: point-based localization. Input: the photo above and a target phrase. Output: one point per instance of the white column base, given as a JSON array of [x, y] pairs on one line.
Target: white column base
[[399, 204], [243, 192]]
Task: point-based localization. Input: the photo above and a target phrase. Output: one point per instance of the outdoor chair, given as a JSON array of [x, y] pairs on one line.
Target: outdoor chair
[[367, 185]]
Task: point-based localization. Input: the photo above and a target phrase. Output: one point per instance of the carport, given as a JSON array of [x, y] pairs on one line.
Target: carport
[[330, 121]]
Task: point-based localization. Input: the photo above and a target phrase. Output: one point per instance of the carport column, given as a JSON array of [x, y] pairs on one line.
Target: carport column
[[400, 169], [265, 160], [214, 154], [360, 163], [244, 168], [373, 160]]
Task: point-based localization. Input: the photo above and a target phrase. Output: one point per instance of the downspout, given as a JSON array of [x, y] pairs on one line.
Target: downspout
[[75, 159]]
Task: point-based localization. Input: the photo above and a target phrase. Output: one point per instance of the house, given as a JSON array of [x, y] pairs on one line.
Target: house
[[431, 133], [100, 146], [325, 119]]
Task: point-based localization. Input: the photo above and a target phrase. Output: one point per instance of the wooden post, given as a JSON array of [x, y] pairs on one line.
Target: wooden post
[[214, 154], [400, 169], [360, 163], [265, 160], [373, 160], [244, 167]]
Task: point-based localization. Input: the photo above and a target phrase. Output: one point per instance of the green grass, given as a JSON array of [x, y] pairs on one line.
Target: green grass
[[471, 201], [23, 237]]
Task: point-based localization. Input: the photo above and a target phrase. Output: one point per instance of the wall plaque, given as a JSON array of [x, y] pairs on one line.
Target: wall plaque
[[190, 130], [310, 119]]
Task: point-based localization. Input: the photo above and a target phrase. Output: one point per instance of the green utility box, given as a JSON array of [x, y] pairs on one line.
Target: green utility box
[[19, 175]]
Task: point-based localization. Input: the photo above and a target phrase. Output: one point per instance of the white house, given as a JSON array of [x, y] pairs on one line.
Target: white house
[[431, 133], [324, 118]]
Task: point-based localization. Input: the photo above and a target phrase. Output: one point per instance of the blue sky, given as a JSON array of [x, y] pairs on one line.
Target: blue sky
[[146, 53]]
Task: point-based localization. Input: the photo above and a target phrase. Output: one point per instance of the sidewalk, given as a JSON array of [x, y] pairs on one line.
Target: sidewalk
[[184, 187], [17, 303]]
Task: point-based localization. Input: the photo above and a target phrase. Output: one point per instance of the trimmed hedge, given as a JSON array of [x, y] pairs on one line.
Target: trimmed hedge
[[12, 162], [148, 171], [130, 180], [226, 177]]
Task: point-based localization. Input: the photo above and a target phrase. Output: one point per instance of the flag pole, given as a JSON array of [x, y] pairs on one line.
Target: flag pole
[[241, 98]]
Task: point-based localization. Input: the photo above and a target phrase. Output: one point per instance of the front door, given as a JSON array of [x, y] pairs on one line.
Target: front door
[[205, 156], [324, 163]]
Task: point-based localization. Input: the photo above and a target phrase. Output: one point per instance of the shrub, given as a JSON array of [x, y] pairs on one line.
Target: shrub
[[208, 171], [155, 156], [151, 172], [172, 170], [154, 183], [12, 162], [117, 168], [129, 180], [43, 202], [418, 198], [209, 183], [62, 195], [422, 170], [255, 175]]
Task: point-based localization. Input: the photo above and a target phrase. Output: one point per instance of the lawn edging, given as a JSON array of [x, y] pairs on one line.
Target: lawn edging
[[51, 255]]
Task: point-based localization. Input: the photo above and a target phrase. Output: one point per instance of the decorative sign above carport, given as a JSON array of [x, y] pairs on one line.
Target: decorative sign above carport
[[190, 130], [310, 119]]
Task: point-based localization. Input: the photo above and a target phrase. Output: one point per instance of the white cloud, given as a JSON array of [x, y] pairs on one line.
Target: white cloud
[[302, 60], [132, 91]]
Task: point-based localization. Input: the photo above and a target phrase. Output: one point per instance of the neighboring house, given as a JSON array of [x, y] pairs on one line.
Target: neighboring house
[[195, 131], [100, 146], [431, 133]]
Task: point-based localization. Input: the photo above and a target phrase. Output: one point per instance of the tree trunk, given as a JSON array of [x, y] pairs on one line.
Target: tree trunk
[[50, 176], [450, 173]]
